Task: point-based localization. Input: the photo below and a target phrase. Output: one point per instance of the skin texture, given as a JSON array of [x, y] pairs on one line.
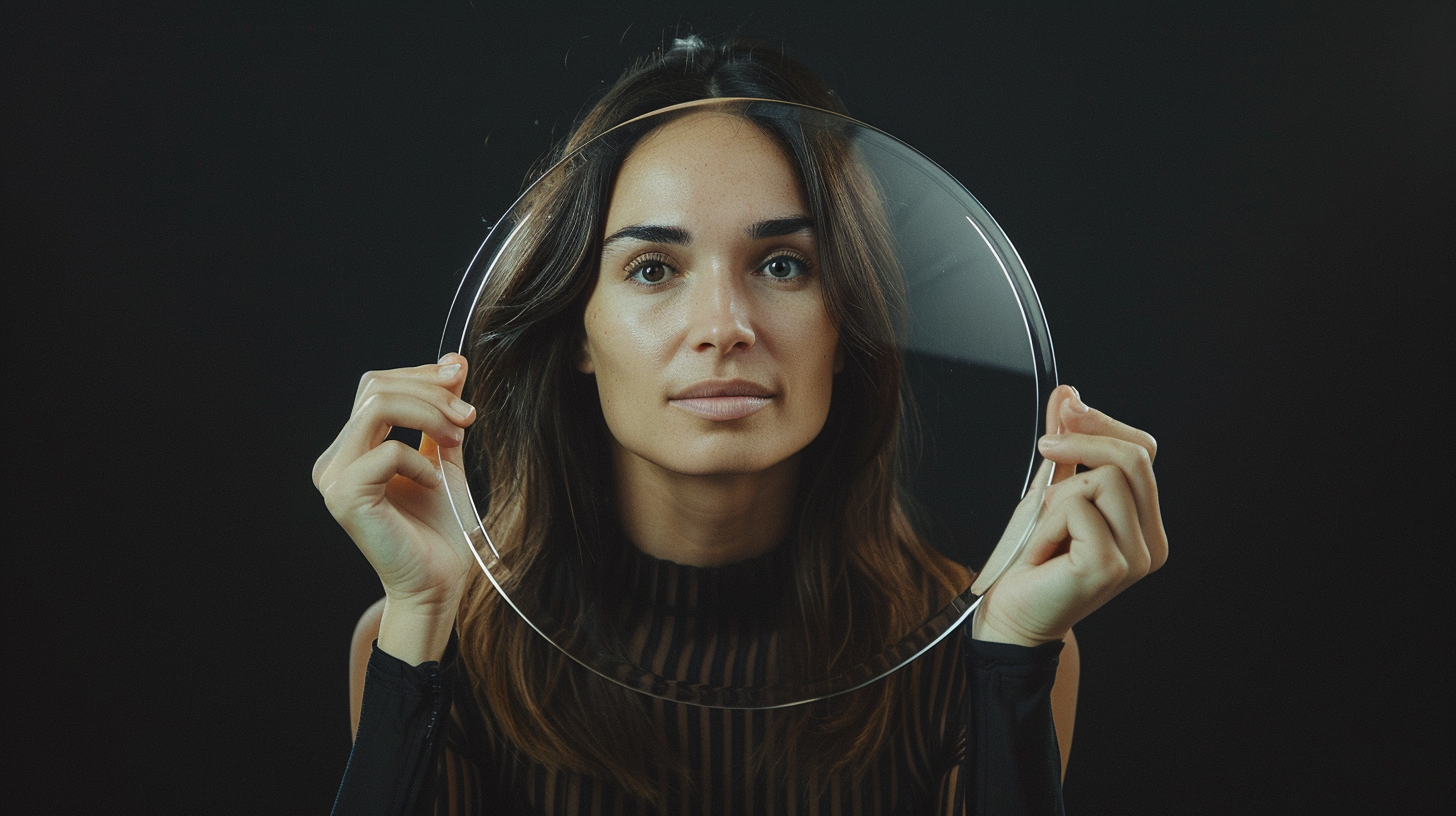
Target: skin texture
[[693, 299]]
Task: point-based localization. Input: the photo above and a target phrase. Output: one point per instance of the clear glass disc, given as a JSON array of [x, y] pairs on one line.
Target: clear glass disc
[[975, 367]]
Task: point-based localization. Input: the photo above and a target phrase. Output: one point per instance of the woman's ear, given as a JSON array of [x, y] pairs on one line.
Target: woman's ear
[[584, 362]]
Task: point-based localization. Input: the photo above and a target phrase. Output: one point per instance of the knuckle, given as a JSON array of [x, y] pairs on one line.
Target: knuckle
[[1108, 567], [397, 451], [1142, 460], [320, 466], [367, 383], [1139, 564], [371, 385], [1118, 480], [375, 404], [1118, 568], [1158, 556], [1059, 494], [331, 495]]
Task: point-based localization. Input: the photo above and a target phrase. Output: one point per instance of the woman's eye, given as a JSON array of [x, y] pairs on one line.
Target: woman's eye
[[785, 267], [649, 271]]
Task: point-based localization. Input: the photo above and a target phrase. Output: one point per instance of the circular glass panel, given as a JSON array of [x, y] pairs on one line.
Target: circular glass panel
[[945, 366]]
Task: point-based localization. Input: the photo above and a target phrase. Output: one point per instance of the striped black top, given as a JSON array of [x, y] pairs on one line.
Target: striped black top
[[700, 623]]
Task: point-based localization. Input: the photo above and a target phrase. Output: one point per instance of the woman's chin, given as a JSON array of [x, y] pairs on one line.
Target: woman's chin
[[725, 458]]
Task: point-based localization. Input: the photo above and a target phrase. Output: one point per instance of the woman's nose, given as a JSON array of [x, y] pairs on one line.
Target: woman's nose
[[720, 313]]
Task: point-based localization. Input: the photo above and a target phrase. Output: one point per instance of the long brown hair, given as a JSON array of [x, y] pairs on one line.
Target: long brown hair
[[860, 574]]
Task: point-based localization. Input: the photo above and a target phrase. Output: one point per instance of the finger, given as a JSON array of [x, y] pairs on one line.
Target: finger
[[456, 381], [1060, 396], [1077, 417], [448, 373], [442, 391], [362, 483], [1074, 564], [372, 422], [450, 459], [1106, 490], [447, 400], [1136, 465], [1095, 564], [321, 464], [451, 454], [1075, 536], [454, 387], [450, 463], [1022, 519]]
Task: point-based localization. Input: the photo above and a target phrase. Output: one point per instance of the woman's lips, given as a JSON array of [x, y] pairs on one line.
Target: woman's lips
[[722, 400], [721, 409]]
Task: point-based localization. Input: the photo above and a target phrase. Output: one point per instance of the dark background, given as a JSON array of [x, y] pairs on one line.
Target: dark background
[[216, 220]]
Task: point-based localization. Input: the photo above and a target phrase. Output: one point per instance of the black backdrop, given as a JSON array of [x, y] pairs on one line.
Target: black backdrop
[[216, 220]]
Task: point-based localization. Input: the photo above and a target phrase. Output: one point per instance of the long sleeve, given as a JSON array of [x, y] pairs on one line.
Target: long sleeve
[[396, 750], [1012, 766]]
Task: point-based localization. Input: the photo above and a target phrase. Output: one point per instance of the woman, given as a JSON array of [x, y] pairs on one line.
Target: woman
[[704, 313]]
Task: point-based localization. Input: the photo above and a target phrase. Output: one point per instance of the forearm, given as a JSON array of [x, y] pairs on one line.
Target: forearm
[[1012, 763], [391, 767]]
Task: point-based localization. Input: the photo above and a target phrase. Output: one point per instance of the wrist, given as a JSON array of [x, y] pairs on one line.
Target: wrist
[[416, 631], [429, 603], [995, 631]]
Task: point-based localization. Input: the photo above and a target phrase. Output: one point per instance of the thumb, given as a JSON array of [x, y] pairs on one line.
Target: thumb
[[1060, 395], [1018, 530], [449, 454]]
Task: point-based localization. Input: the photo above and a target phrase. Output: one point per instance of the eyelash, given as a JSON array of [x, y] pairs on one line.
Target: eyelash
[[808, 266], [642, 262]]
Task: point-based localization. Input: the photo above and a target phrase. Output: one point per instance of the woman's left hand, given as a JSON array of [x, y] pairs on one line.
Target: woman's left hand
[[1099, 532]]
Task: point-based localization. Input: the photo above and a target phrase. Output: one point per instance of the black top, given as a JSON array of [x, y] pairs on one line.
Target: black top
[[424, 746]]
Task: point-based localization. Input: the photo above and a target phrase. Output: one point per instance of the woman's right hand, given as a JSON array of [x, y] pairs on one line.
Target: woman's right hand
[[391, 498]]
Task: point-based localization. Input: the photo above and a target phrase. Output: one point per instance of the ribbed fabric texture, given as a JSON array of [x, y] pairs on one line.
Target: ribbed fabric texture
[[707, 625], [424, 747]]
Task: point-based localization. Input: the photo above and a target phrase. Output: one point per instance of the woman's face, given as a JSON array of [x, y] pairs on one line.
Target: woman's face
[[706, 331]]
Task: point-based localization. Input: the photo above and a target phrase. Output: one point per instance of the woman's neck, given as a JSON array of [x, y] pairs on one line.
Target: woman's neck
[[704, 521]]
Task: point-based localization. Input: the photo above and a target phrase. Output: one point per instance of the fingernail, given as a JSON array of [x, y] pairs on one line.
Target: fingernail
[[1075, 404], [1049, 441], [446, 372], [461, 408], [444, 357]]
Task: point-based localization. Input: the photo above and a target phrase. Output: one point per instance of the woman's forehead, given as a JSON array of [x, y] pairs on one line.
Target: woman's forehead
[[705, 168]]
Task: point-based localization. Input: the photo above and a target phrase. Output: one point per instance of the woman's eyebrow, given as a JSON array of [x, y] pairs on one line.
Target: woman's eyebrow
[[655, 234], [777, 227], [651, 234]]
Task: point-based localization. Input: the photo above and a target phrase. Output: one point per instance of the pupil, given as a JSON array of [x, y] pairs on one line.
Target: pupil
[[652, 274], [779, 268]]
